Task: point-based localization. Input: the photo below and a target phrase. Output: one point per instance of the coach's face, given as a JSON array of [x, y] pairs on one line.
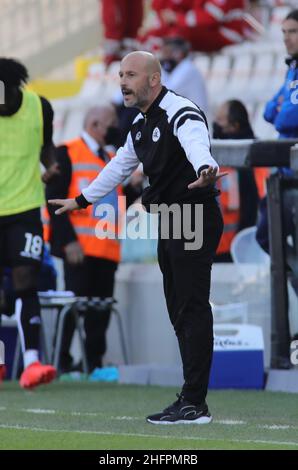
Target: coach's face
[[290, 33], [135, 82]]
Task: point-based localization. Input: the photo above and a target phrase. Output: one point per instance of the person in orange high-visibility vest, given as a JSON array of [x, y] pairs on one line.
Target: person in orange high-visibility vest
[[90, 262], [239, 190]]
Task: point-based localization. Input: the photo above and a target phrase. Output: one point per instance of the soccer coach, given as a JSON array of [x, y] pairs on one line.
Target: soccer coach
[[170, 137]]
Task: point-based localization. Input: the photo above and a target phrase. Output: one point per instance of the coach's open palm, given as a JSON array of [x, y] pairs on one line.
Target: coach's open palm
[[66, 205], [207, 177]]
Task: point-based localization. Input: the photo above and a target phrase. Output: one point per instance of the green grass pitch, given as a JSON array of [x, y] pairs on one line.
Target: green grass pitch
[[100, 416]]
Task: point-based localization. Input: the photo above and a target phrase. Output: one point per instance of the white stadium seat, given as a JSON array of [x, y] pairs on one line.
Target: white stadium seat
[[262, 129], [202, 62], [218, 77]]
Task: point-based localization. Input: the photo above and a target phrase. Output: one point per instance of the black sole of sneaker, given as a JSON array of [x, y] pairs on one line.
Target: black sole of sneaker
[[201, 420]]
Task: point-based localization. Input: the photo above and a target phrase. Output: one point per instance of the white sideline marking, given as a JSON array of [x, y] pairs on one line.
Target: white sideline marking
[[126, 418], [229, 422], [129, 434], [226, 422], [278, 426], [78, 413], [39, 411]]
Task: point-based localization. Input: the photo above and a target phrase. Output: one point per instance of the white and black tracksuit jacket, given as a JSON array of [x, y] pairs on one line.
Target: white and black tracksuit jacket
[[171, 140]]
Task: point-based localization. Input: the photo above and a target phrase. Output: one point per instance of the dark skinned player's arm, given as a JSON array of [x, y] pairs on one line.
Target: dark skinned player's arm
[[48, 154]]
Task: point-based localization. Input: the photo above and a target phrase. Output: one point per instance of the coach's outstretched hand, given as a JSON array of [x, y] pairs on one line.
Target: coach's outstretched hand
[[207, 177], [67, 205]]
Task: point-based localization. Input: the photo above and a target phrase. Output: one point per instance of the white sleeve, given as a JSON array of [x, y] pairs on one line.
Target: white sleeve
[[194, 139], [114, 173]]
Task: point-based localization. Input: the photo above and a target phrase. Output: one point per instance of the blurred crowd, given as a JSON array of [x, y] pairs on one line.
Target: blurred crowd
[[208, 25]]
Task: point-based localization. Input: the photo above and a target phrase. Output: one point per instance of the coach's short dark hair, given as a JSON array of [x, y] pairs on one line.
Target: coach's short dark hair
[[293, 15], [12, 73]]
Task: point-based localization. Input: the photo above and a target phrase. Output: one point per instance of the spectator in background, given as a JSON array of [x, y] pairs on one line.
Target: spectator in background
[[282, 112], [239, 193], [26, 128], [282, 109], [208, 25], [90, 263], [180, 74], [122, 20]]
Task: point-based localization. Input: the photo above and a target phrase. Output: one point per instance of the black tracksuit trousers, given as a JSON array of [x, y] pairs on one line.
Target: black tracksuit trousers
[[186, 278]]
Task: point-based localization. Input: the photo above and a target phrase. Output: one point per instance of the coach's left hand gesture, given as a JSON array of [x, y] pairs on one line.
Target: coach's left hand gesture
[[66, 205], [207, 177]]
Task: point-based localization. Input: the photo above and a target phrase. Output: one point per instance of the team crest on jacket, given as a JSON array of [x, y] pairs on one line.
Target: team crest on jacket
[[138, 136], [155, 134]]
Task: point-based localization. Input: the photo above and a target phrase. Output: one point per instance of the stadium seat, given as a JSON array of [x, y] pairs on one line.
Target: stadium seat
[[262, 70], [218, 77], [240, 75], [113, 71], [245, 248], [274, 30], [202, 62], [280, 70], [262, 128]]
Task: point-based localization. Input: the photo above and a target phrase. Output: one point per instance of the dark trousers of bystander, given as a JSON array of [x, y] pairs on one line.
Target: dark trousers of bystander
[[93, 278]]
